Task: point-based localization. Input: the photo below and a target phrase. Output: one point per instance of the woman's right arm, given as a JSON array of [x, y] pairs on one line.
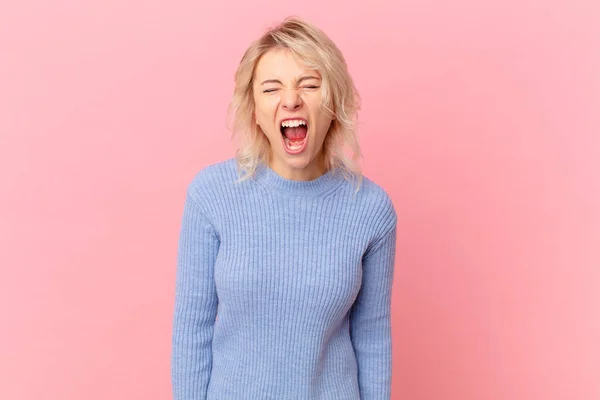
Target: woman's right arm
[[195, 304]]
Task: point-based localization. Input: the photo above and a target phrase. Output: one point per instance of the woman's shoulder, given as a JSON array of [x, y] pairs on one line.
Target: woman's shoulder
[[213, 177], [373, 202], [373, 194], [213, 173]]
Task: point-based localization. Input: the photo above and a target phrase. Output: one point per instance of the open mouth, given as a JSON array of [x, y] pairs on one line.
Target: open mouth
[[294, 133]]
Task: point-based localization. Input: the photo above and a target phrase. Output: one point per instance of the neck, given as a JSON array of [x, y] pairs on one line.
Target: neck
[[312, 171], [282, 186]]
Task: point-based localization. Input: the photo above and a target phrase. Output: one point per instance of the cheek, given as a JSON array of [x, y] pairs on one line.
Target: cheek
[[259, 113], [323, 122], [264, 113]]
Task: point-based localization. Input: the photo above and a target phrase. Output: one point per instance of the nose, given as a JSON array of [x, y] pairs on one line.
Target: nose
[[290, 99]]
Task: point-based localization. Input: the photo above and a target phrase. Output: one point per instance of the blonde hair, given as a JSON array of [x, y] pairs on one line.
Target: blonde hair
[[311, 47]]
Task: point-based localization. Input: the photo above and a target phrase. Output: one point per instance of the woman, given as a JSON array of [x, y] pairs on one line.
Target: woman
[[286, 253]]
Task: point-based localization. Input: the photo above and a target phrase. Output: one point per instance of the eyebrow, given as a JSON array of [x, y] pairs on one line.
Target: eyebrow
[[304, 78]]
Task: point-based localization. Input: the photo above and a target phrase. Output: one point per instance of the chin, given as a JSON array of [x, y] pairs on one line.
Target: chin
[[297, 163]]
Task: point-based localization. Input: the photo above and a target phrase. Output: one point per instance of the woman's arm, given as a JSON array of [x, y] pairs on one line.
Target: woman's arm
[[195, 305], [370, 324]]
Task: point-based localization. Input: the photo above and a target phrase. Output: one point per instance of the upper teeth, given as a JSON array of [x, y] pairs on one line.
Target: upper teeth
[[293, 122]]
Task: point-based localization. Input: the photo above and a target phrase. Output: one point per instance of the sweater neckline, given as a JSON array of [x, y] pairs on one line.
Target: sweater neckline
[[325, 183]]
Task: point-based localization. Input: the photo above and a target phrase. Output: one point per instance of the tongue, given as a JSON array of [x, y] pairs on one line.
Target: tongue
[[295, 133]]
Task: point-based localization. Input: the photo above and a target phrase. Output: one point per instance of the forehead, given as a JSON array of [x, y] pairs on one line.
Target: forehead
[[281, 64]]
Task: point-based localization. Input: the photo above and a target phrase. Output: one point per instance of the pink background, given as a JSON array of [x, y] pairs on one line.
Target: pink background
[[482, 119]]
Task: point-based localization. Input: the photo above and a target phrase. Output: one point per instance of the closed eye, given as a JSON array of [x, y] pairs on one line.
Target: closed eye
[[312, 87]]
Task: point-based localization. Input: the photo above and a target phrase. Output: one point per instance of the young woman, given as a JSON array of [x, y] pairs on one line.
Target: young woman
[[286, 252]]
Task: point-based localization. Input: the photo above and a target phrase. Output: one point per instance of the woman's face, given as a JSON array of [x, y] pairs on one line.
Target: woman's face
[[287, 99]]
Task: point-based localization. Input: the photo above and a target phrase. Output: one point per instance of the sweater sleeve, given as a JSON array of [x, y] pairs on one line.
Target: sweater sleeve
[[195, 305], [370, 323]]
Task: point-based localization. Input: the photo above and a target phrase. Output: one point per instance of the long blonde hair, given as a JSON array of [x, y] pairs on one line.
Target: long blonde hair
[[311, 47]]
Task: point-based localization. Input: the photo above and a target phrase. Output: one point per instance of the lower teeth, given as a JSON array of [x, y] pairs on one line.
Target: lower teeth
[[293, 145]]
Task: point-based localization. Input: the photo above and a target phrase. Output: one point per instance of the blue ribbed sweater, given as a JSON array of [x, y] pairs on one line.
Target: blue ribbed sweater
[[283, 288]]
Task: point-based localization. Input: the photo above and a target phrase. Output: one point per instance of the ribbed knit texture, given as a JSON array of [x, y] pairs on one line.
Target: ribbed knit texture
[[283, 288]]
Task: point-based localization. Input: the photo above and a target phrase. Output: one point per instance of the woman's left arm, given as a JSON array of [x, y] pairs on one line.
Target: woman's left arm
[[370, 319]]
